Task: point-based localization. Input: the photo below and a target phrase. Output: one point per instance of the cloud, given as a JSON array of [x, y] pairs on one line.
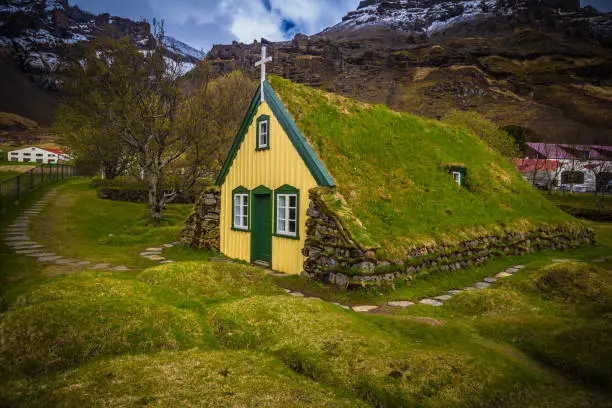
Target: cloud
[[202, 23]]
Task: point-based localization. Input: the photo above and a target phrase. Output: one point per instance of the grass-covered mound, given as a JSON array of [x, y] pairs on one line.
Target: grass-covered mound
[[71, 320], [387, 363], [558, 314], [392, 171], [180, 379], [204, 282]]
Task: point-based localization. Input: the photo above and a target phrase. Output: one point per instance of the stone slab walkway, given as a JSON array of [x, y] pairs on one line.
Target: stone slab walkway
[[15, 236], [435, 301], [156, 253]]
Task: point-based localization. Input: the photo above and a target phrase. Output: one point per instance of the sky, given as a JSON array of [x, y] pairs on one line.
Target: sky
[[202, 23]]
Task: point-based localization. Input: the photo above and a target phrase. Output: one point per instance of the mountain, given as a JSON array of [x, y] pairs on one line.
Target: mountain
[[37, 36], [543, 66]]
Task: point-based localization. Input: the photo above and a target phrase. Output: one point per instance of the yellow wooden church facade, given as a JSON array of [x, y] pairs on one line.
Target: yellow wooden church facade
[[264, 187]]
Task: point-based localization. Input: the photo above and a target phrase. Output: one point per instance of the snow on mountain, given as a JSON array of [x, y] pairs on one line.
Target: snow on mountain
[[183, 49], [430, 16], [37, 35]]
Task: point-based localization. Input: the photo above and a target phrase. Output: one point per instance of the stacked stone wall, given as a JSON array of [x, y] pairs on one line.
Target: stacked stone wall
[[334, 257], [202, 228]]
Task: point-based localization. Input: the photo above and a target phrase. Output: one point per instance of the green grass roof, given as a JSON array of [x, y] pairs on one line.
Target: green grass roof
[[391, 170]]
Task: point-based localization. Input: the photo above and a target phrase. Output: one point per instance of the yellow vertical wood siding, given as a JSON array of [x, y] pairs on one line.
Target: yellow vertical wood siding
[[272, 168]]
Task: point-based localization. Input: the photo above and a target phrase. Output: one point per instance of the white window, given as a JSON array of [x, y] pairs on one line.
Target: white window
[[241, 211], [286, 214], [14, 154], [457, 177], [263, 134]]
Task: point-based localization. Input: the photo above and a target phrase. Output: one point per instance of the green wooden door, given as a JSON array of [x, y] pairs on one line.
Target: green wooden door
[[261, 228]]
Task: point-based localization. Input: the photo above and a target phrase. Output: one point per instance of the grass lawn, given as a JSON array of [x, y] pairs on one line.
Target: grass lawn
[[582, 200], [88, 228], [5, 175], [207, 334]]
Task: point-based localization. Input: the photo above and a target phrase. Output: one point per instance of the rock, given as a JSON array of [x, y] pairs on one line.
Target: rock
[[342, 280], [443, 298], [167, 261], [121, 268], [481, 285], [155, 257], [490, 280], [364, 309], [511, 270], [430, 302], [154, 249], [503, 275], [296, 294], [100, 266], [401, 303], [146, 254], [454, 291], [49, 258], [468, 288], [364, 266]]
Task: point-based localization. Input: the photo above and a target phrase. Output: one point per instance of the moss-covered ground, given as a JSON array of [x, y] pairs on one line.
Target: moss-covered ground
[[225, 335], [391, 170]]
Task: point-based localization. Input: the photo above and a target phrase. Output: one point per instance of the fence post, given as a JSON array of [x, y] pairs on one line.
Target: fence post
[[17, 187]]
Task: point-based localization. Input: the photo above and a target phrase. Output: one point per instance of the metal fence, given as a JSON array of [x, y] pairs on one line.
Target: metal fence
[[19, 187]]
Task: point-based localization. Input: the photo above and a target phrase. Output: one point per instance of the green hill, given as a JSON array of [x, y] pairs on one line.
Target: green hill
[[391, 171]]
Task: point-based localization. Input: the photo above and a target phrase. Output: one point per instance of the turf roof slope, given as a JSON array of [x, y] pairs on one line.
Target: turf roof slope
[[393, 187]]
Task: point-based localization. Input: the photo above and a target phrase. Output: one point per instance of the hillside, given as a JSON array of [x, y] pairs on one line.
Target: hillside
[[544, 66], [392, 170], [40, 38]]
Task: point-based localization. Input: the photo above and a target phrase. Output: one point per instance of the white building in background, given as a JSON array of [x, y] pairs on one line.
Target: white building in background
[[38, 155]]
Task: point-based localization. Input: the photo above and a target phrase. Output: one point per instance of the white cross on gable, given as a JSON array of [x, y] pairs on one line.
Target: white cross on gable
[[262, 63]]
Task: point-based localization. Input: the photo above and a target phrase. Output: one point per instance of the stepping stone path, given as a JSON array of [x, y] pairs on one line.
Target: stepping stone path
[[15, 236], [439, 300], [156, 254]]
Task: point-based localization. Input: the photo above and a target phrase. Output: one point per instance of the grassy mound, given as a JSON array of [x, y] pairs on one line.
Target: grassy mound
[[68, 321], [383, 365], [492, 301], [209, 282], [558, 314], [173, 379], [92, 286], [392, 170], [577, 283]]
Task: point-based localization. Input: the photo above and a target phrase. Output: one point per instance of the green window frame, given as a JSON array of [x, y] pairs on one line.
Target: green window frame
[[262, 141], [287, 212], [241, 207]]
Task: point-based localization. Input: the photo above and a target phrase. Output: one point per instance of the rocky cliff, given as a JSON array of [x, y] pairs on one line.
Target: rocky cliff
[[543, 65], [36, 37]]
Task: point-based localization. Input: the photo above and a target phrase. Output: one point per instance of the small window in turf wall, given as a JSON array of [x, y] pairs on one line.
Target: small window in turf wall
[[459, 175]]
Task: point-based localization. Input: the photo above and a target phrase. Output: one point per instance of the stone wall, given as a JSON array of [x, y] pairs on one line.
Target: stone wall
[[202, 228], [334, 257]]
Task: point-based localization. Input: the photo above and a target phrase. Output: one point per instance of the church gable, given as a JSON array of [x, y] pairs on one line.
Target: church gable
[[264, 139]]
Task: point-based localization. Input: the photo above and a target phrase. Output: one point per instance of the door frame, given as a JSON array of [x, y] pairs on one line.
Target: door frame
[[262, 191]]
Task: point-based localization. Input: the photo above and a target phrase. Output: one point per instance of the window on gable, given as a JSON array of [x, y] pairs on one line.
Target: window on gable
[[241, 210], [263, 132], [287, 212]]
